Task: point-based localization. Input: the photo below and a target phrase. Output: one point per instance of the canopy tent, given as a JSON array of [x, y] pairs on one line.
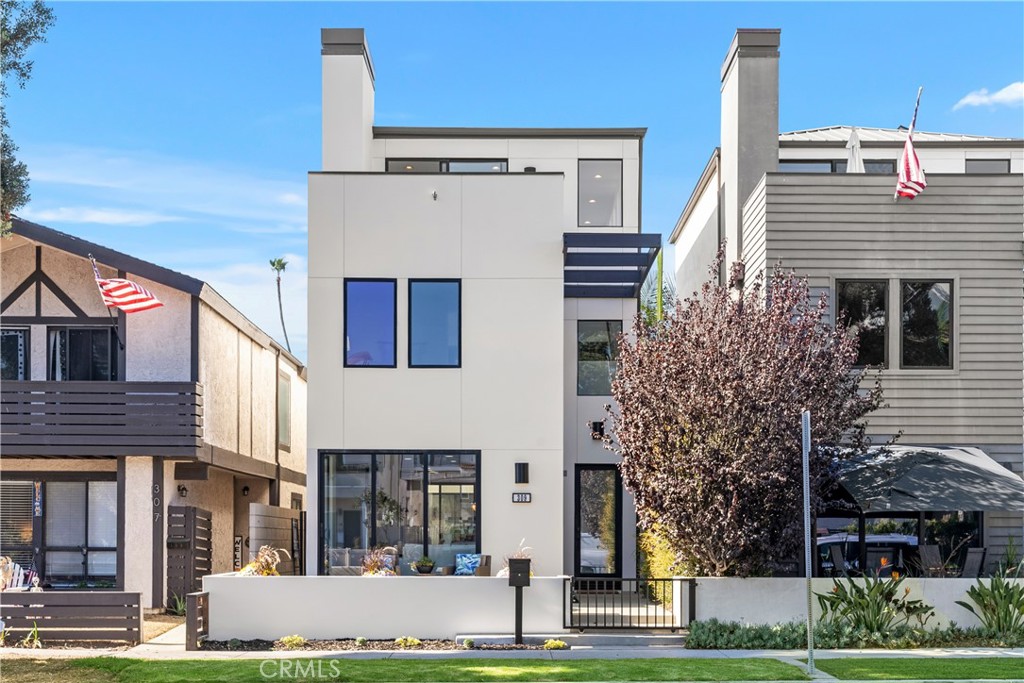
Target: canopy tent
[[919, 479]]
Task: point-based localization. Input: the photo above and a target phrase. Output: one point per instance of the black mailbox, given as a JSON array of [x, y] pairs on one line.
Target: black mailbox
[[519, 572]]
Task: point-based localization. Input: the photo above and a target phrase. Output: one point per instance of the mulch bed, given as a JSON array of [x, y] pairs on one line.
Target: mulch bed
[[350, 644]]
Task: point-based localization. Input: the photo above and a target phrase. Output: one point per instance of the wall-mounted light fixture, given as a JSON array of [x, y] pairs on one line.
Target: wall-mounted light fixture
[[245, 490], [182, 491], [738, 273], [522, 473], [597, 430]]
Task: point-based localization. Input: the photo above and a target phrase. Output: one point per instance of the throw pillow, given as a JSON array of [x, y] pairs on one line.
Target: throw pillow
[[466, 564]]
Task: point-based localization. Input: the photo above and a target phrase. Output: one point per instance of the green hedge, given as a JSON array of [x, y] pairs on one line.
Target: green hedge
[[716, 635]]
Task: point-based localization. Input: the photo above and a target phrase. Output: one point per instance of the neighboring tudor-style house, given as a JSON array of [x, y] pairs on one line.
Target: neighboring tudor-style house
[[934, 285], [466, 286], [105, 426]]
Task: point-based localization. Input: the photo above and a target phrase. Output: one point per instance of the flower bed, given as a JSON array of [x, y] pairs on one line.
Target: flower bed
[[348, 644]]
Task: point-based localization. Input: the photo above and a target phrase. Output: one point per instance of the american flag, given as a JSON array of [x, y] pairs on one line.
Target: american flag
[[124, 294], [911, 181]]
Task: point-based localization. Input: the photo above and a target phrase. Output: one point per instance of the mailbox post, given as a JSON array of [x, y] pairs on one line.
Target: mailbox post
[[518, 577]]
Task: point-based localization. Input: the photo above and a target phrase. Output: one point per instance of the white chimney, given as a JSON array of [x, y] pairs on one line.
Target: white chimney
[[750, 125], [347, 99]]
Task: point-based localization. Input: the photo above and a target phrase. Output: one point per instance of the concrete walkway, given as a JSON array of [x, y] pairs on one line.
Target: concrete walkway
[[171, 645]]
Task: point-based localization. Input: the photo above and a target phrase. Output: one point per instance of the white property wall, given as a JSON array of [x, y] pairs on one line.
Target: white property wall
[[501, 234], [376, 607], [782, 600]]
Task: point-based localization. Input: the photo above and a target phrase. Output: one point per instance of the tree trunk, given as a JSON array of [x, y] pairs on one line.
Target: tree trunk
[[280, 308]]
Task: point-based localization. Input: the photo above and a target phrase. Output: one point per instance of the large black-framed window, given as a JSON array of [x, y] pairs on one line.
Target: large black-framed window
[[864, 305], [446, 166], [419, 502], [597, 348], [86, 354], [599, 193], [370, 322], [14, 356], [926, 324], [834, 165], [435, 323]]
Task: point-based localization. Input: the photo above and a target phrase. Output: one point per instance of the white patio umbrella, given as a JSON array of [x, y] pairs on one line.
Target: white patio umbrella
[[854, 161]]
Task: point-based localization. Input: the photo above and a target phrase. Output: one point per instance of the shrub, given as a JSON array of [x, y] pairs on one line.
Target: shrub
[[32, 639], [552, 644], [468, 643], [872, 604], [407, 642], [658, 561], [234, 644], [379, 562], [176, 605], [295, 642], [361, 641], [265, 564], [999, 606], [716, 635]]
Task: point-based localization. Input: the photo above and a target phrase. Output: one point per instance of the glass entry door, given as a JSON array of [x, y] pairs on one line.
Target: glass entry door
[[598, 515]]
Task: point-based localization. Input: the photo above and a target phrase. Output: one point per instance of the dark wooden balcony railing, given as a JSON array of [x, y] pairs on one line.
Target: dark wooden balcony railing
[[101, 418]]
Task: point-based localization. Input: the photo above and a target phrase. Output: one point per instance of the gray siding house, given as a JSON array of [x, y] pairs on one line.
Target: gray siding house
[[934, 285]]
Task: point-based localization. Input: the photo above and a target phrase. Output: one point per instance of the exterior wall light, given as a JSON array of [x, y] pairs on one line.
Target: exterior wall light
[[182, 491], [597, 430], [522, 473], [245, 490]]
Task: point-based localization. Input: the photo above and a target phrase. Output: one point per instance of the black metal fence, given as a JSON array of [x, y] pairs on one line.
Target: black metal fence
[[641, 604]]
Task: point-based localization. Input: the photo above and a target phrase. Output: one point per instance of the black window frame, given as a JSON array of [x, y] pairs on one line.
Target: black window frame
[[888, 317], [967, 170], [622, 192], [952, 318], [611, 340], [444, 165], [115, 352], [344, 321], [423, 458], [26, 350], [412, 281], [834, 165]]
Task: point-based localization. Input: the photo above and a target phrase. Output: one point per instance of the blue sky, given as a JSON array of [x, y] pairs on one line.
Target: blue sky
[[182, 132]]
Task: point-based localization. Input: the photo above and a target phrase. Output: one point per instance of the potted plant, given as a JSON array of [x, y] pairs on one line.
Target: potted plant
[[424, 565]]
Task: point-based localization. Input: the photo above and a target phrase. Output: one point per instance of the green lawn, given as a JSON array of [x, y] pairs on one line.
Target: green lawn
[[855, 668], [112, 670]]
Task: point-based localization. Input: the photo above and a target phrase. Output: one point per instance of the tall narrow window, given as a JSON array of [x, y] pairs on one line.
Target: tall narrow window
[[600, 193], [370, 323], [284, 411], [14, 354], [82, 354], [597, 348], [862, 304], [16, 521], [926, 324], [435, 323]]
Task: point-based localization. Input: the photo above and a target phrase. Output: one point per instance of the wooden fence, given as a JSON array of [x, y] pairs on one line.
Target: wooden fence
[[72, 615], [189, 549], [197, 619], [280, 528]]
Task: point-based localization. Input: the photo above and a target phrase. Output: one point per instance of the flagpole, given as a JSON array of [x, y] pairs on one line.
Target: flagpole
[[113, 321]]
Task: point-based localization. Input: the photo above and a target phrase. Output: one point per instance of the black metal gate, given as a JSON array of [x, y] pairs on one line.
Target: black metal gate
[[641, 604], [189, 549]]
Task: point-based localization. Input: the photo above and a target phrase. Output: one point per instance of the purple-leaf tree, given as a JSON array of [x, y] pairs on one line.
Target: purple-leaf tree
[[708, 419]]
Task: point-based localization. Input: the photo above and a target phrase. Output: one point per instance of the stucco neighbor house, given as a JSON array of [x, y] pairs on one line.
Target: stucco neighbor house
[[106, 423], [934, 286], [466, 286]]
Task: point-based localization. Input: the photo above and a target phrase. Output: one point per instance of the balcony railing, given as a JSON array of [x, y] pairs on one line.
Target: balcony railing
[[47, 419]]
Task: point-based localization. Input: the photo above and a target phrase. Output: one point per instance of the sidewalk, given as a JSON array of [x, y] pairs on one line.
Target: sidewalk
[[171, 645]]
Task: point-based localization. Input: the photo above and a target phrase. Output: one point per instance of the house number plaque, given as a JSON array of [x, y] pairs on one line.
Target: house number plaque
[[522, 497]]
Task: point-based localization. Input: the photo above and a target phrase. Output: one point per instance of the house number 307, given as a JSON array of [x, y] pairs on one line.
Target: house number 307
[[156, 502]]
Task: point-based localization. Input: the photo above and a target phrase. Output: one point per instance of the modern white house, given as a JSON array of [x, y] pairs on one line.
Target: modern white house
[[114, 426], [933, 286], [466, 286]]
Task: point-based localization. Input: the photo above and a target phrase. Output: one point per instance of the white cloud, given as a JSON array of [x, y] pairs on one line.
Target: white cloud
[[1011, 95], [142, 182], [102, 216]]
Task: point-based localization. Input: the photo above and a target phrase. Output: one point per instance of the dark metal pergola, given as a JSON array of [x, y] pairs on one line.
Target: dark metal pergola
[[607, 265]]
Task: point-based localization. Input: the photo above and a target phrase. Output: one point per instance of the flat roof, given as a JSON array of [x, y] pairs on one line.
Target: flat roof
[[443, 132]]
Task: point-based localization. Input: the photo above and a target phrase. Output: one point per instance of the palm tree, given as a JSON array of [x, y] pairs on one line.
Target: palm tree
[[650, 307], [279, 264]]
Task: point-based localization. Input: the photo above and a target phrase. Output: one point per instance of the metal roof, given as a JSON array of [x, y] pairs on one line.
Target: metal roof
[[842, 134]]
